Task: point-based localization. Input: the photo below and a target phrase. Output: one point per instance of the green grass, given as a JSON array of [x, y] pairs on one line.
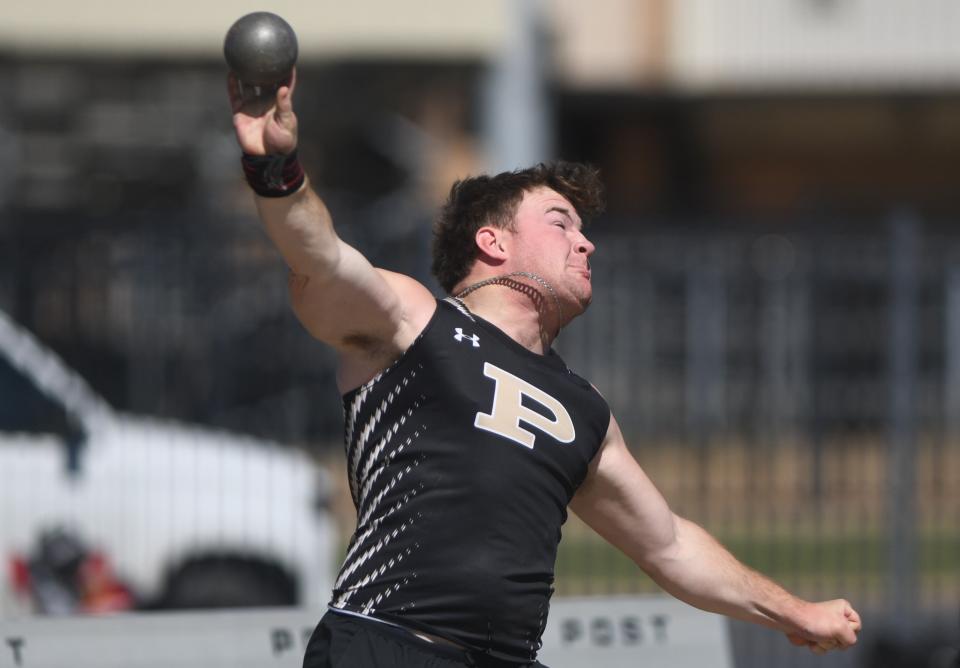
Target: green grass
[[587, 565]]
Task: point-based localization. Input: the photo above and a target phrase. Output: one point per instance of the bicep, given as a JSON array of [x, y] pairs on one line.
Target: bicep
[[619, 502], [365, 313]]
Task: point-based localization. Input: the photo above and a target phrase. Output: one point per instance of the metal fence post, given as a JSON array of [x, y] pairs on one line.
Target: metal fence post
[[706, 340], [951, 353], [705, 381], [903, 349], [515, 110]]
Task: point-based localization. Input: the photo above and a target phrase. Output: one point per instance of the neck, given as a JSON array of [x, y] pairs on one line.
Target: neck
[[517, 304]]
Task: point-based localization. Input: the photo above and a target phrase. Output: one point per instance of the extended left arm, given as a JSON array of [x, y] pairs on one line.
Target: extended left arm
[[620, 503]]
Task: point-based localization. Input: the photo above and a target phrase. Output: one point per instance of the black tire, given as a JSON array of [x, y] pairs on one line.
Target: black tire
[[228, 582]]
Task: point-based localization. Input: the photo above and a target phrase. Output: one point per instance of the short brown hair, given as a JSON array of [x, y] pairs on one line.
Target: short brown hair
[[493, 200]]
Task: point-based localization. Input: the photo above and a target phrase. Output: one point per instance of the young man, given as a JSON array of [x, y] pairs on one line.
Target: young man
[[467, 437]]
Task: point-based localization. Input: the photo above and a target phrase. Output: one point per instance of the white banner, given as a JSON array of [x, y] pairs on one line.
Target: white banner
[[610, 632], [634, 631]]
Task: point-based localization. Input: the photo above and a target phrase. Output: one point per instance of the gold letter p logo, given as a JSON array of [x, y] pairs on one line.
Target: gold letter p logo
[[508, 411]]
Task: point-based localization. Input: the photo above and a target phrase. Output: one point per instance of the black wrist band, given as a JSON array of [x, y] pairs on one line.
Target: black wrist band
[[273, 175]]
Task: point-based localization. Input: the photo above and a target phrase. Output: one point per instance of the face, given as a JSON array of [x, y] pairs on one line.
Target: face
[[549, 241]]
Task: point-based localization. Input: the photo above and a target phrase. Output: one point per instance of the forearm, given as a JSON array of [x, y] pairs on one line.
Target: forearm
[[301, 228], [698, 570]]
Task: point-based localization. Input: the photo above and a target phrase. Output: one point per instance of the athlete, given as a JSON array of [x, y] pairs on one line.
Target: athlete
[[467, 437]]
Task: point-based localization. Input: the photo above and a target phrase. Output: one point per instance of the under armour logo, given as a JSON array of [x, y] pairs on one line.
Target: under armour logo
[[472, 338]]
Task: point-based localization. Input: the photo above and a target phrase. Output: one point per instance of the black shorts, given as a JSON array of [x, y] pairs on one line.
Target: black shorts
[[346, 641]]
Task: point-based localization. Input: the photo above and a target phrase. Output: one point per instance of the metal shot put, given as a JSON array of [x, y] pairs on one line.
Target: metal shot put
[[261, 50]]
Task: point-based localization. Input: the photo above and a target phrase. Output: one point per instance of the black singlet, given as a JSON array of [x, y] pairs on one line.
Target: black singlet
[[462, 458]]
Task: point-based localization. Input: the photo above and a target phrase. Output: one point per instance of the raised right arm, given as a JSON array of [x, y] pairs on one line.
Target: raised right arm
[[369, 315]]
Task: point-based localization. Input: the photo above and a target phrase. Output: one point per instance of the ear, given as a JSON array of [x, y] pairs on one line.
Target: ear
[[491, 242]]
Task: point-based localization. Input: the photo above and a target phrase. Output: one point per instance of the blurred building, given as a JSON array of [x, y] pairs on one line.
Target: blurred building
[[754, 107], [690, 106], [125, 222]]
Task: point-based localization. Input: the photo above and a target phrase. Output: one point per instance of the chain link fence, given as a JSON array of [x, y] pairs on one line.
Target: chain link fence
[[796, 394]]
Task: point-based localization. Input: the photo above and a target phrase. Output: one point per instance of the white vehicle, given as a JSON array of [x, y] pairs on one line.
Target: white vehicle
[[187, 516]]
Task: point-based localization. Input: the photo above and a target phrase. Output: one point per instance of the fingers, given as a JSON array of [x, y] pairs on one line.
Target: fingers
[[234, 92], [842, 623], [849, 634], [816, 647], [797, 640], [853, 618], [284, 111], [835, 626], [264, 120], [812, 645]]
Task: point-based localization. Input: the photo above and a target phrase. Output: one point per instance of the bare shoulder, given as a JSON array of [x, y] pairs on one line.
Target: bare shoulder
[[417, 303], [610, 456]]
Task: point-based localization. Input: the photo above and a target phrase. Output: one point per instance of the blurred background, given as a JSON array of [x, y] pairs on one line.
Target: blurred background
[[776, 319]]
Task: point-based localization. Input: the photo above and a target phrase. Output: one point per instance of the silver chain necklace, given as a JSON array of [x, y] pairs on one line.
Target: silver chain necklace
[[498, 279]]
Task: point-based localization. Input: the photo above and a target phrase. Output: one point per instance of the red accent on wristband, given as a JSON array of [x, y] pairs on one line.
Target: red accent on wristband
[[273, 175]]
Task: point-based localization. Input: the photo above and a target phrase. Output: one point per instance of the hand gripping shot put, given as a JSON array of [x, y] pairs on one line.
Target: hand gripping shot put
[[467, 437]]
